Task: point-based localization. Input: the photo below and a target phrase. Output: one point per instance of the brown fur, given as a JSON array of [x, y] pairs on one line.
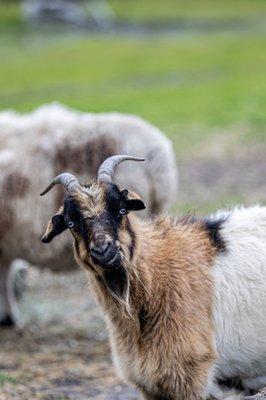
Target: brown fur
[[15, 185], [6, 219], [87, 156], [161, 331]]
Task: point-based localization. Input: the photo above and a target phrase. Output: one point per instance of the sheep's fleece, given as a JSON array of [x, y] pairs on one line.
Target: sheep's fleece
[[37, 146]]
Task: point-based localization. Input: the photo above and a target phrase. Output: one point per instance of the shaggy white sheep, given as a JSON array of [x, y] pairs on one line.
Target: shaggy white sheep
[[36, 146]]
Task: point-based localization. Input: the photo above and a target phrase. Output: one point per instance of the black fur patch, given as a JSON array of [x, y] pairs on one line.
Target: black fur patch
[[133, 239], [114, 203], [117, 281], [143, 319], [213, 227], [163, 397], [132, 204], [116, 200], [233, 382]]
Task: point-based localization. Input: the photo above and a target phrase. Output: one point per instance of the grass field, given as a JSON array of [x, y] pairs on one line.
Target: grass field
[[164, 10], [198, 86]]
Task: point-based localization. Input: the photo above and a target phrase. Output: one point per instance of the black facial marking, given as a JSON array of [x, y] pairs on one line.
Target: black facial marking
[[133, 239], [213, 227], [114, 203], [73, 214]]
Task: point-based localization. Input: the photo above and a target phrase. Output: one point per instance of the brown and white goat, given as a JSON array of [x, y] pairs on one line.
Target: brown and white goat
[[173, 305]]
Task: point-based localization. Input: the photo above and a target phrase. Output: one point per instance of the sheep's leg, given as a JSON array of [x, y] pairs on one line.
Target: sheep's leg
[[6, 317], [9, 311]]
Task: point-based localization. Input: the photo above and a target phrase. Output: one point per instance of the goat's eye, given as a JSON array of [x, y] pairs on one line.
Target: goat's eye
[[123, 211], [70, 224]]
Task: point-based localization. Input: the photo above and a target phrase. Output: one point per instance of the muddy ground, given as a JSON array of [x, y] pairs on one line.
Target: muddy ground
[[63, 352]]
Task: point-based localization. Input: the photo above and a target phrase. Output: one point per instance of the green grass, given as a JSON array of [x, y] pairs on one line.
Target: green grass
[[163, 10], [208, 207], [190, 86], [171, 10], [6, 378], [10, 16]]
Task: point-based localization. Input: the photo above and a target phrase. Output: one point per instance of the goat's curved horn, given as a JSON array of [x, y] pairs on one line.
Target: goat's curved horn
[[107, 169], [69, 182]]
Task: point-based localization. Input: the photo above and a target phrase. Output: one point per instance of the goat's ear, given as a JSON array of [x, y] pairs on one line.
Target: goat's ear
[[133, 201], [55, 226]]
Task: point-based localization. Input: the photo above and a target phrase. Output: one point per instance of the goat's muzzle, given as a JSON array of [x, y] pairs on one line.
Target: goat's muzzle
[[105, 253]]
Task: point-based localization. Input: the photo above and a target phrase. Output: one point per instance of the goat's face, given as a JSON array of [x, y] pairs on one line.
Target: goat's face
[[96, 215]]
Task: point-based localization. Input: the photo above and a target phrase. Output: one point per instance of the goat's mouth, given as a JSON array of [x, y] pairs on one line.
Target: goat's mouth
[[113, 261]]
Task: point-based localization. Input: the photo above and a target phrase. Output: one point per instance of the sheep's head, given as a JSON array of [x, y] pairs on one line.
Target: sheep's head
[[96, 215]]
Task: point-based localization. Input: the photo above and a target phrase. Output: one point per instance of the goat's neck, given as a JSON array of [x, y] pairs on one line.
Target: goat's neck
[[142, 278], [155, 286]]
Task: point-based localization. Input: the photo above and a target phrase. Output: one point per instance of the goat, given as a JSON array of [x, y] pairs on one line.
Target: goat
[[184, 300], [37, 146]]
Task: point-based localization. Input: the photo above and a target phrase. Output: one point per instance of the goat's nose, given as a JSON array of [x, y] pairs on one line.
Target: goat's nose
[[99, 249]]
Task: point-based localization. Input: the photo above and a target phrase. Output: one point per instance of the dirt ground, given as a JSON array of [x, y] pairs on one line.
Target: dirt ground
[[63, 353], [223, 173]]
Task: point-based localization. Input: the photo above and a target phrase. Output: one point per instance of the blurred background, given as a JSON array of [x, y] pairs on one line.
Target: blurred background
[[194, 68]]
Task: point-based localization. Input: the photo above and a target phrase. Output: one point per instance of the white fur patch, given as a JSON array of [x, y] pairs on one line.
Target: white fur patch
[[240, 290], [6, 157]]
